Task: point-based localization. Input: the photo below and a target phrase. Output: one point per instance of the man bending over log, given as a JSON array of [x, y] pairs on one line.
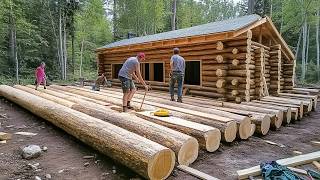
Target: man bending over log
[[130, 68], [177, 65], [99, 81]]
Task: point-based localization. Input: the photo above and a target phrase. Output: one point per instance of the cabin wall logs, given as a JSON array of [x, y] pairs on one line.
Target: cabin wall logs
[[237, 69]]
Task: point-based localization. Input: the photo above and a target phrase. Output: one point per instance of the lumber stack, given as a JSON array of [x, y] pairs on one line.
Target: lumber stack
[[288, 73], [227, 126], [178, 142], [276, 79], [147, 158]]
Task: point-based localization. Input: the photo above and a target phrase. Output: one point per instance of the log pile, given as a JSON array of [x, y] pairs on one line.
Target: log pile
[[197, 123], [147, 158], [276, 80]]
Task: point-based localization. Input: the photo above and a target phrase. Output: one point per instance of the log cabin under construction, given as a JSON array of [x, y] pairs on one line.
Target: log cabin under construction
[[239, 59]]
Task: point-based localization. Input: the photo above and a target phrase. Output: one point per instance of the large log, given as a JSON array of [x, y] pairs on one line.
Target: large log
[[301, 96], [208, 137], [296, 111], [286, 110], [242, 121], [226, 123], [307, 105], [275, 123], [147, 158], [185, 147]]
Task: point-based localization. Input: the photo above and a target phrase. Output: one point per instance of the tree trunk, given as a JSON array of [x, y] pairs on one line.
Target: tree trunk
[[61, 45], [81, 55], [13, 43], [307, 50], [251, 5], [180, 143], [147, 158], [304, 44], [16, 53], [174, 15], [318, 45], [72, 49], [65, 48], [298, 44]]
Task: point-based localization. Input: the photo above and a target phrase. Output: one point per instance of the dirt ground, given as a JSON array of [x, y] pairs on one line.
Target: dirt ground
[[64, 157]]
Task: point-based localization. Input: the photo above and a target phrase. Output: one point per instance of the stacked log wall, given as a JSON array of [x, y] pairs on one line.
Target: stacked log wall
[[276, 69], [235, 69]]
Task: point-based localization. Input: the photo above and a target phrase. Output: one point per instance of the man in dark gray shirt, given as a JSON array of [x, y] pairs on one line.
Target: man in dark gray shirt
[[130, 68], [177, 64]]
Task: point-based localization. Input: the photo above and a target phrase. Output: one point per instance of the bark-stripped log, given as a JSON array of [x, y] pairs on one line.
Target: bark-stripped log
[[185, 147], [208, 137], [307, 105], [242, 121], [286, 110], [147, 158], [225, 125]]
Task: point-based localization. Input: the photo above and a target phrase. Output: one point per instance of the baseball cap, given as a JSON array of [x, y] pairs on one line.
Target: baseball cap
[[141, 55]]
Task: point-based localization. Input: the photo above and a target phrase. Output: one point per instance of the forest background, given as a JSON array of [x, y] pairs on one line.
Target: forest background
[[65, 33]]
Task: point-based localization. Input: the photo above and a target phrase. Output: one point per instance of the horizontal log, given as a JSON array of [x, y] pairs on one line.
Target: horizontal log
[[150, 160], [227, 123], [208, 137], [286, 110], [178, 142]]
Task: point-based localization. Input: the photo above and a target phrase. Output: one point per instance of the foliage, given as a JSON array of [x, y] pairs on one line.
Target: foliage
[[93, 23]]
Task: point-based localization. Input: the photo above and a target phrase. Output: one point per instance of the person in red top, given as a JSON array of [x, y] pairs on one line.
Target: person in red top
[[41, 75]]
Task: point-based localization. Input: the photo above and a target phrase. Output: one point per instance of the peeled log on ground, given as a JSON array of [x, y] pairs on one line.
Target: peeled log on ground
[[208, 137], [242, 121], [185, 147], [262, 121], [307, 106], [228, 128], [299, 107], [275, 123], [294, 110], [147, 158], [286, 110]]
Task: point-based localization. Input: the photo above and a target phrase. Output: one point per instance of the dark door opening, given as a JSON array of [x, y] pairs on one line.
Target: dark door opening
[[115, 70], [158, 72], [146, 71], [192, 73]]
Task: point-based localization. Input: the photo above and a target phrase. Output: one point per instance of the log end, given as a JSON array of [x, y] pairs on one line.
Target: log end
[[288, 116], [278, 120], [235, 62], [161, 165], [230, 132], [265, 125], [188, 153], [253, 129], [219, 59], [213, 138], [220, 45], [244, 126]]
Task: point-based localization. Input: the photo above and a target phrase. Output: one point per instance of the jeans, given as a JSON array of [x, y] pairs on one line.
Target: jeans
[[179, 78]]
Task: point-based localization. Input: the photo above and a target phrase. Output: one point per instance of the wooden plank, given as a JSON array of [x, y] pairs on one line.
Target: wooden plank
[[196, 173], [317, 164], [300, 171], [292, 161]]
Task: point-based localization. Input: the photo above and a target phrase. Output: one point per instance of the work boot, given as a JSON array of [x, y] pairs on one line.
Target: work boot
[[124, 109], [128, 105], [179, 99], [172, 98]]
